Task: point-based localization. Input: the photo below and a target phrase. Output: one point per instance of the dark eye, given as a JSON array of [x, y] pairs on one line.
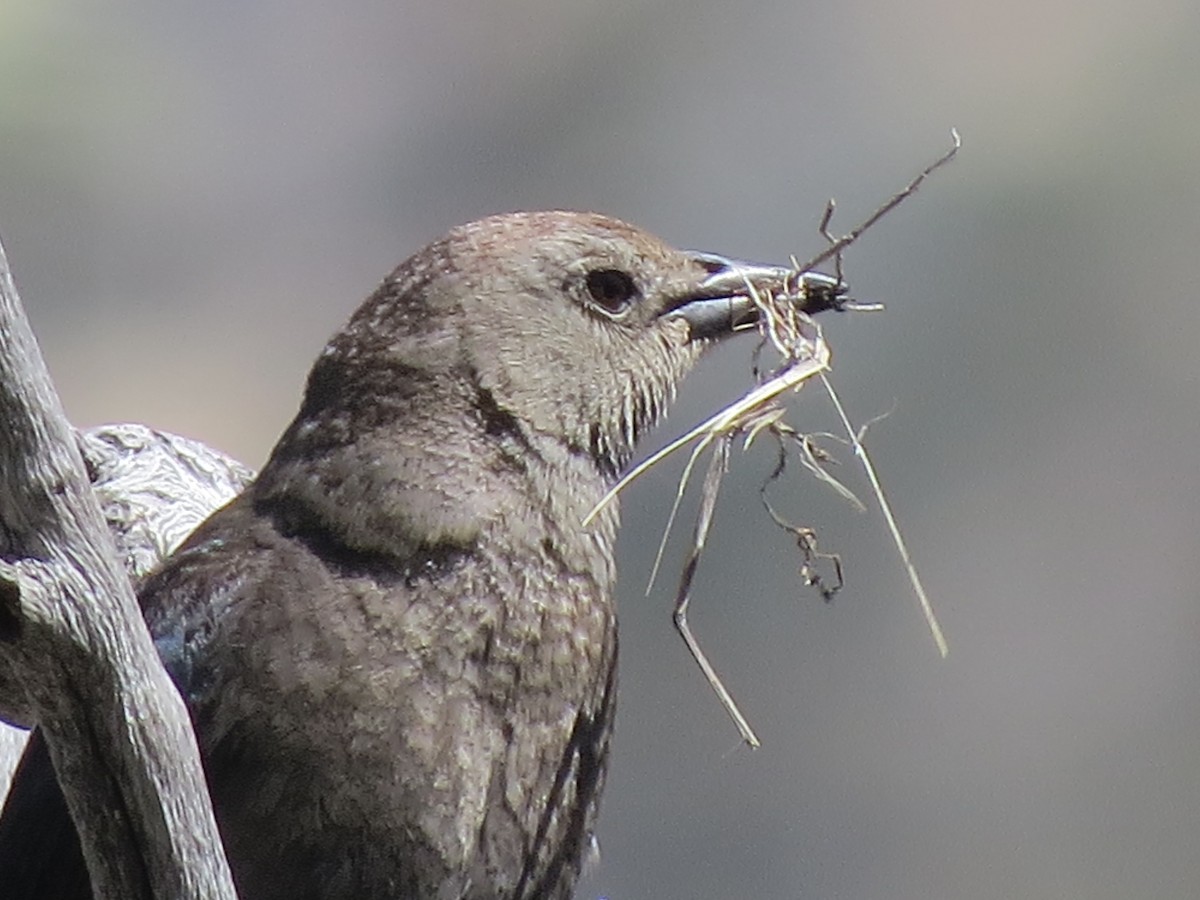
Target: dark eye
[[612, 290]]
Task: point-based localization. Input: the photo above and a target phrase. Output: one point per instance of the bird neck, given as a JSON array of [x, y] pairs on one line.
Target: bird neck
[[432, 477]]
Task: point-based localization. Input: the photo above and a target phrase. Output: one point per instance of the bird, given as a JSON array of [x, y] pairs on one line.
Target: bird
[[398, 645]]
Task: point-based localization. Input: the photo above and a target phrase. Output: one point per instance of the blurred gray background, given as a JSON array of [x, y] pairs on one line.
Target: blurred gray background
[[193, 196]]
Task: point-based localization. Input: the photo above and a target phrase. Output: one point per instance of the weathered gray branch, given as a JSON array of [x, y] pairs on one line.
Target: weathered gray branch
[[76, 657], [154, 489]]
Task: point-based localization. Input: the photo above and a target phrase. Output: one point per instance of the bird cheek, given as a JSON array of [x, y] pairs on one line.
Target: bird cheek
[[676, 332]]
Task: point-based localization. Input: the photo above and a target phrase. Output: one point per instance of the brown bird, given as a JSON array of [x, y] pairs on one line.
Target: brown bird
[[398, 645]]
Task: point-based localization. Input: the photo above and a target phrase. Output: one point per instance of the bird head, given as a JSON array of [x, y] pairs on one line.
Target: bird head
[[579, 325], [562, 335]]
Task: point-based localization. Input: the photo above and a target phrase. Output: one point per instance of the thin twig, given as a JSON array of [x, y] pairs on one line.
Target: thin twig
[[680, 489], [860, 451], [717, 465], [837, 246]]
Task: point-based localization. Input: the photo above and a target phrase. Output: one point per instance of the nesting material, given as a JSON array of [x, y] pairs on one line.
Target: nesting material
[[804, 355]]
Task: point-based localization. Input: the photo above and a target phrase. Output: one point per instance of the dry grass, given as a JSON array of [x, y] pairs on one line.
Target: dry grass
[[804, 355]]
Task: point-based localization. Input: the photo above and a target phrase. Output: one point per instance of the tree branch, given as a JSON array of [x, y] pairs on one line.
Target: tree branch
[[76, 656]]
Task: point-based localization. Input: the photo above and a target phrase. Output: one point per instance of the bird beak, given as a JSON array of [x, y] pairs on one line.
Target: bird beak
[[724, 302]]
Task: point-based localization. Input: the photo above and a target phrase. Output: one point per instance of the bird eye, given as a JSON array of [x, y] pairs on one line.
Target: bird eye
[[612, 290]]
